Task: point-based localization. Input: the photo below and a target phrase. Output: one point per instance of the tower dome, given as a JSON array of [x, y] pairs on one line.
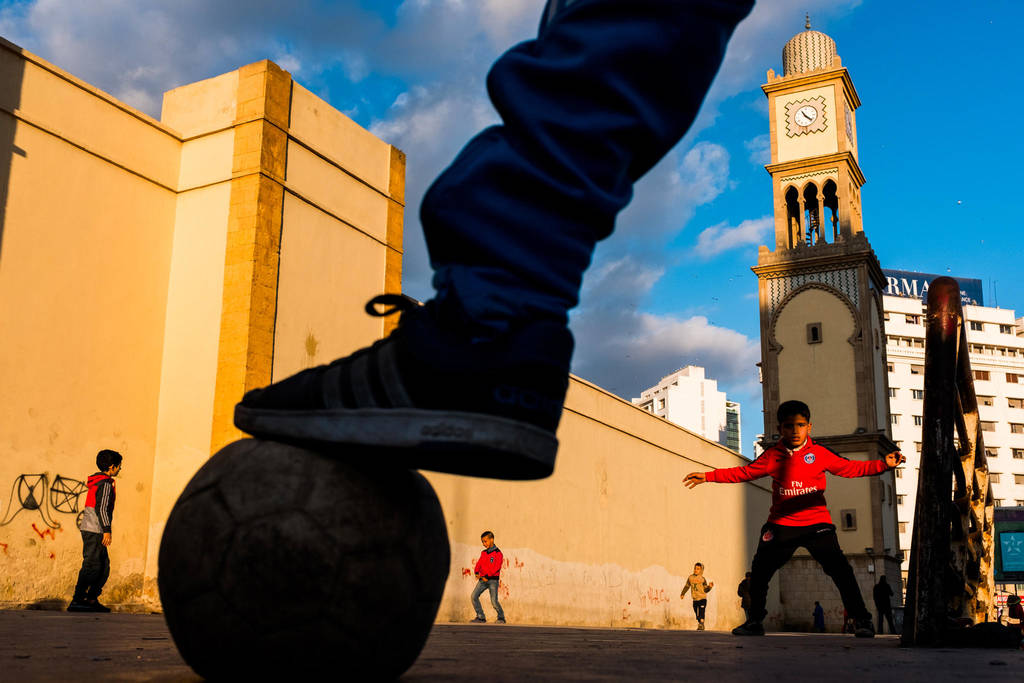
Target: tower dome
[[807, 51]]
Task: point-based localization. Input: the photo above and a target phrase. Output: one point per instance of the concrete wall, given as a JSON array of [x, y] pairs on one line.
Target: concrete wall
[[608, 539]]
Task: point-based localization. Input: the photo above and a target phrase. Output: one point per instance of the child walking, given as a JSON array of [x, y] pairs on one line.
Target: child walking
[[699, 589], [487, 572], [798, 516], [97, 519]]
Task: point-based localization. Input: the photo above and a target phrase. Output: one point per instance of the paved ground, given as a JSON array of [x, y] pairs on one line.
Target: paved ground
[[50, 646]]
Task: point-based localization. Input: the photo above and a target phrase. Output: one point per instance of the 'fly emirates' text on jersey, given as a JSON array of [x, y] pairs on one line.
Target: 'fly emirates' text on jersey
[[798, 480]]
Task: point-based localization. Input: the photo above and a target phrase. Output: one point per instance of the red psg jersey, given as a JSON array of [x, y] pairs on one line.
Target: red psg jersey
[[798, 480]]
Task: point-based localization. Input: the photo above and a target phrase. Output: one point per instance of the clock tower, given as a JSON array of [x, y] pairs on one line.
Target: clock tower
[[820, 290]]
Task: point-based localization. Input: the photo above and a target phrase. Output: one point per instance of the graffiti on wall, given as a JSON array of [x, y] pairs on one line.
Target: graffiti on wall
[[35, 492]]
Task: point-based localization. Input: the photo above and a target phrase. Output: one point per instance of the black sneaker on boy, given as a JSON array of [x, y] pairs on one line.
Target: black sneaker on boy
[[77, 605], [429, 396], [749, 628], [864, 628]]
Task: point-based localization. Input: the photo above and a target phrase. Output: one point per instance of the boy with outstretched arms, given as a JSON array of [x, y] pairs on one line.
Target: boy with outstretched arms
[[97, 519], [798, 515]]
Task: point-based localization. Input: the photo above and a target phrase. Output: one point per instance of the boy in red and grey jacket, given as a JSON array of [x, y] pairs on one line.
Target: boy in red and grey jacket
[[487, 572], [97, 519], [798, 516]]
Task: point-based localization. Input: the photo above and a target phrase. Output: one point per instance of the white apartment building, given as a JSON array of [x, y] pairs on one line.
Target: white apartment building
[[996, 344], [690, 400]]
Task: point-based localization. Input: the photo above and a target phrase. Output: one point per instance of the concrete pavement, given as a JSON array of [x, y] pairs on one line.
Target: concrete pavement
[[49, 646]]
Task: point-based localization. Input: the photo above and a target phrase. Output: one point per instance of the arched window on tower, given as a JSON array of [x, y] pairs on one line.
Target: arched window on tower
[[793, 217], [832, 203], [812, 213]]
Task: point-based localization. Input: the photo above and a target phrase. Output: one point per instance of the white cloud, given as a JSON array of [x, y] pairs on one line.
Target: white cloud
[[760, 149], [723, 237]]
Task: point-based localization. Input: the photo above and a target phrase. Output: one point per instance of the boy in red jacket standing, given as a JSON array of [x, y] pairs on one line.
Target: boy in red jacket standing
[[487, 571], [798, 515], [97, 519]]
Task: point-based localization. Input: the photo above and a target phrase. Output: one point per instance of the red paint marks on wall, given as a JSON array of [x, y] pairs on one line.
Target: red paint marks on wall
[[466, 572], [44, 533], [4, 545], [52, 556], [517, 563], [503, 591]]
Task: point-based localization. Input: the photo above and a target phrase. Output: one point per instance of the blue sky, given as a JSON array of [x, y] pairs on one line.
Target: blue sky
[[938, 139]]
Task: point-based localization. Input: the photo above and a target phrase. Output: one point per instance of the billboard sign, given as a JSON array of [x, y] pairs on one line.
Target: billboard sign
[[915, 285]]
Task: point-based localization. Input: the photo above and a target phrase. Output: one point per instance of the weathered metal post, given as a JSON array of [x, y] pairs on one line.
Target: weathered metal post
[[950, 580]]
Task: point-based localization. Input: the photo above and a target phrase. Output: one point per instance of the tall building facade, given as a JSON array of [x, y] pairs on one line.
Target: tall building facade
[[820, 292], [996, 345], [691, 400]]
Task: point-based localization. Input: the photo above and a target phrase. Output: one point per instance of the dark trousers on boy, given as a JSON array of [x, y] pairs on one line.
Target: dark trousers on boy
[[777, 545], [95, 567], [488, 585]]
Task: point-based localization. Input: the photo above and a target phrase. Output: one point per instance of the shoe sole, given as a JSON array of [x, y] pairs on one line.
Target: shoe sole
[[472, 444]]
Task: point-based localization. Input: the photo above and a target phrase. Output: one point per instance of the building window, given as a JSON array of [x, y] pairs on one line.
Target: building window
[[894, 419], [991, 452], [916, 369], [1018, 479], [918, 394], [900, 498], [980, 375], [885, 316], [1020, 503], [1016, 428], [998, 502], [918, 420], [890, 367], [899, 472], [892, 392], [1005, 329], [1018, 453], [988, 426], [993, 477], [814, 333], [1015, 402], [848, 519], [913, 319], [917, 446], [1014, 378], [917, 343], [661, 404], [903, 527], [987, 400], [976, 326]]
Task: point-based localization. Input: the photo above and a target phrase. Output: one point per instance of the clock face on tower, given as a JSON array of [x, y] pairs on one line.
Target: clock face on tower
[[805, 116]]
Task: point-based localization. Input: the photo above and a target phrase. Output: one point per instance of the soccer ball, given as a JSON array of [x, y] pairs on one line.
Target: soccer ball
[[278, 561]]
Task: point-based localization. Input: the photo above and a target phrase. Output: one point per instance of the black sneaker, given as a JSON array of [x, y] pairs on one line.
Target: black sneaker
[[500, 621], [78, 606], [478, 620], [429, 395], [96, 606], [864, 628], [749, 628]]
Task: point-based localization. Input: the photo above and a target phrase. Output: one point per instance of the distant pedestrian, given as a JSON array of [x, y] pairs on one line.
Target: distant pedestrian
[[97, 519], [819, 617], [744, 592], [699, 589], [487, 572], [882, 594]]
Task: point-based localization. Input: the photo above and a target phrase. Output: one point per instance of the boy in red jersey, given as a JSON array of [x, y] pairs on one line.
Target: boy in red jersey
[[96, 522], [488, 573], [798, 515]]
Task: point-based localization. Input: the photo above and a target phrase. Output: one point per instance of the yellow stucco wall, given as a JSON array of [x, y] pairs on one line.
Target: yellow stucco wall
[[809, 372]]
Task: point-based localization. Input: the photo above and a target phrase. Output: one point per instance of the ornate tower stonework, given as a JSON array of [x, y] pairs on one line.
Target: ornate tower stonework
[[822, 338]]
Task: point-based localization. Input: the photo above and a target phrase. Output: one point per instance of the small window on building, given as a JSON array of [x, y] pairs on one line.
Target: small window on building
[[1018, 479], [993, 477], [885, 316], [848, 519], [918, 394], [890, 367], [661, 404], [1020, 503], [1018, 453], [1014, 378], [913, 319], [1016, 428], [1015, 402], [917, 446], [900, 498], [976, 326], [894, 419], [903, 527], [916, 369], [814, 333], [991, 452], [892, 392], [986, 400], [998, 502], [981, 375], [988, 426], [899, 472], [917, 343], [918, 420], [1005, 329]]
